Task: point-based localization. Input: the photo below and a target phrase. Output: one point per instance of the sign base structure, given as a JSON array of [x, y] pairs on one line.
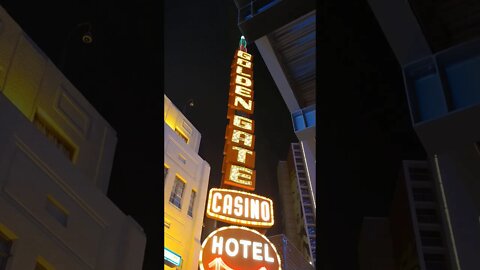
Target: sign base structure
[[238, 248]]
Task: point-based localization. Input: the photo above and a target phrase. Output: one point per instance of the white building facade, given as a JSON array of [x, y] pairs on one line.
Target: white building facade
[[56, 155], [186, 177]]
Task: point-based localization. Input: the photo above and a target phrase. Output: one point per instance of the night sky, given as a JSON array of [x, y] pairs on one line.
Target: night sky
[[141, 49]]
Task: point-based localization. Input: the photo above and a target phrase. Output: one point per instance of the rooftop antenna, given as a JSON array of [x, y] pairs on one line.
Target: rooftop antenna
[[243, 44]]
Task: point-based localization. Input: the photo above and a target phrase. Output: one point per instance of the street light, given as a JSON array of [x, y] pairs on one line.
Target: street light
[[87, 38], [190, 103]]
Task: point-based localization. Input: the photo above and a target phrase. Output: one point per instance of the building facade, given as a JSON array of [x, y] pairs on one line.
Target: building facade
[[419, 231], [284, 33], [296, 195], [56, 154], [186, 177], [438, 50], [292, 258], [375, 245]]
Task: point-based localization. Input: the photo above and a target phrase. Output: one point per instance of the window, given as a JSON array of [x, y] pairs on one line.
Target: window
[[182, 135], [419, 174], [423, 194], [427, 216], [313, 241], [306, 200], [177, 192], [311, 230], [192, 203], [182, 159], [431, 238], [310, 219], [308, 210], [302, 175], [42, 264], [40, 267], [435, 261], [54, 136], [56, 210], [303, 183], [165, 172], [5, 246]]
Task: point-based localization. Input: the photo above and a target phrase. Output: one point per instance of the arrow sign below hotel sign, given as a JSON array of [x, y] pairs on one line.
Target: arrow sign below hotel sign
[[235, 248], [240, 208]]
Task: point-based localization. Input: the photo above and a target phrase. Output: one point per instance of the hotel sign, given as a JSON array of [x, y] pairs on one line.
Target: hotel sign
[[234, 248], [239, 154], [240, 208]]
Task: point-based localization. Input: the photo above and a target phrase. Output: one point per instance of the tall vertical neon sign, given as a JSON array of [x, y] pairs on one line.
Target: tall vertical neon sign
[[238, 168]]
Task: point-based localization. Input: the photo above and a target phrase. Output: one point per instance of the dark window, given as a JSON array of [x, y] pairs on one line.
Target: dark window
[[423, 194], [300, 167], [192, 203], [427, 216], [165, 172], [435, 261], [299, 160], [304, 191], [38, 266], [303, 183], [54, 136], [5, 246], [42, 264], [420, 174], [418, 170], [310, 219], [306, 200], [308, 210], [177, 192], [431, 238], [311, 230], [302, 175], [56, 210], [313, 242]]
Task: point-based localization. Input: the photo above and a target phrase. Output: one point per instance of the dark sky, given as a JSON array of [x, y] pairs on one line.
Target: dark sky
[[141, 49], [363, 126]]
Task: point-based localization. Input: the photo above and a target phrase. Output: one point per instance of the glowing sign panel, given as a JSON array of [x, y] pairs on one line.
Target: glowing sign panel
[[239, 161], [240, 208], [238, 248], [171, 257]]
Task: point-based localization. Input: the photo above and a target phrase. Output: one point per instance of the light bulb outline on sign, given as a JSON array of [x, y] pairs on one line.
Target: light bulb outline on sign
[[212, 234]]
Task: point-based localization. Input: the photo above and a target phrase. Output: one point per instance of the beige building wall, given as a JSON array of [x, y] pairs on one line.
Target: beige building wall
[[182, 231], [56, 154]]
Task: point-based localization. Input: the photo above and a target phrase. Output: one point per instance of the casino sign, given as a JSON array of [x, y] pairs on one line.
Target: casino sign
[[240, 208]]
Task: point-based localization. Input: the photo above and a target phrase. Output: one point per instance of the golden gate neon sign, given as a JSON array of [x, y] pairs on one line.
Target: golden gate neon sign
[[239, 155]]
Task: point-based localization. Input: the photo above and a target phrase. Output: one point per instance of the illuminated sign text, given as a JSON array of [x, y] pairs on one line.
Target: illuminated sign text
[[240, 208], [238, 248], [239, 155]]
